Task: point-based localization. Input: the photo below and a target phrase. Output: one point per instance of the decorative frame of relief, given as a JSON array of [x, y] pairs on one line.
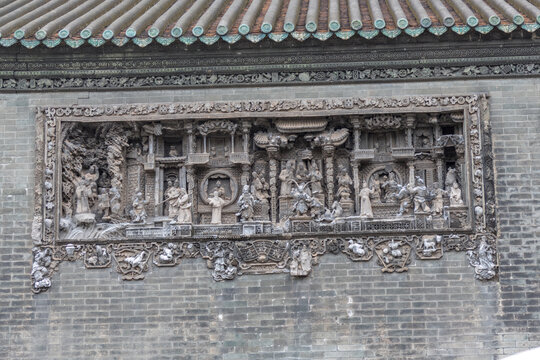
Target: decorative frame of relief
[[333, 219]]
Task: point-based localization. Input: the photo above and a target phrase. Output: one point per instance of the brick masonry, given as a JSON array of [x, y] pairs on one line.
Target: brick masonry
[[437, 310]]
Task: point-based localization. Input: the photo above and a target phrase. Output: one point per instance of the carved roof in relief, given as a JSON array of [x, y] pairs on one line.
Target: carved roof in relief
[[97, 22], [301, 125]]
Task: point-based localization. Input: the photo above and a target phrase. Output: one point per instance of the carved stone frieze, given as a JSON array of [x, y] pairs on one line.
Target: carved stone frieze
[[365, 74], [151, 184]]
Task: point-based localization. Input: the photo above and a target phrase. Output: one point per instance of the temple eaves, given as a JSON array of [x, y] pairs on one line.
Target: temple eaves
[[75, 22]]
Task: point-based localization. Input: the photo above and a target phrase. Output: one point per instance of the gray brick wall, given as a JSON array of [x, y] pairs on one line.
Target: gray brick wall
[[343, 310]]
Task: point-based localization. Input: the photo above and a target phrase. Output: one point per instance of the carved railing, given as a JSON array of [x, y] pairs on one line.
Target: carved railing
[[198, 158], [363, 154], [403, 153], [239, 158]]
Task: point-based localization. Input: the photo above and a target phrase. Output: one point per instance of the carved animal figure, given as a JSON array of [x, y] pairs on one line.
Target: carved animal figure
[[430, 244], [167, 254], [136, 260], [357, 248]]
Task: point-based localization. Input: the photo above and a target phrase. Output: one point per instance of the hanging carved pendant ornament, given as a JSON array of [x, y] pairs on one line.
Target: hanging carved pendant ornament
[[259, 187]]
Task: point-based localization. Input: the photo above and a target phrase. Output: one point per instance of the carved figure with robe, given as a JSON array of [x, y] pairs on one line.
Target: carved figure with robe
[[438, 201], [171, 196], [217, 203], [315, 178], [104, 203], [138, 211], [455, 195], [390, 187], [286, 176], [451, 178], [260, 188], [365, 201], [83, 193], [420, 195], [246, 202], [344, 185], [184, 207]]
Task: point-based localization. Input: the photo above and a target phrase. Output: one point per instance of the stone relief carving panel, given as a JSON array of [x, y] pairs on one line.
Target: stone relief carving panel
[[235, 182]]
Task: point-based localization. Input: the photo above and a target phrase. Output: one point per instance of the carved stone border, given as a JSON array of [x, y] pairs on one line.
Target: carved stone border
[[83, 69], [224, 256]]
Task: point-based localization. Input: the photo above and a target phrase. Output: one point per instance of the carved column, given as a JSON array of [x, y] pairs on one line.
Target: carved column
[[356, 125], [410, 164], [190, 174], [245, 130], [328, 153], [158, 193], [189, 130], [440, 172], [356, 179], [355, 163], [411, 118], [272, 152]]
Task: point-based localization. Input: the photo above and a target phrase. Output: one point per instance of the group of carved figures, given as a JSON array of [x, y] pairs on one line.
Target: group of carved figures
[[416, 197], [89, 200], [304, 187]]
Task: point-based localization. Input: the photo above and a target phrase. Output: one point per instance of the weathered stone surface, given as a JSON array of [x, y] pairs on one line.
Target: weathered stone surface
[[342, 309]]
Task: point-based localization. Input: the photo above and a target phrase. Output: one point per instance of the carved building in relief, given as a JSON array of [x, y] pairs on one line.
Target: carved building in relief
[[264, 186]]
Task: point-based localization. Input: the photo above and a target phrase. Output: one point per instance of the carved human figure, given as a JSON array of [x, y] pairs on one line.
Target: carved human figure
[[302, 174], [138, 211], [365, 201], [302, 199], [301, 262], [420, 194], [104, 203], [390, 187], [337, 210], [451, 178], [315, 178], [184, 207], [438, 201], [217, 204], [483, 260], [172, 151], [260, 188], [219, 188], [485, 255], [376, 189], [344, 185], [83, 192], [115, 200], [171, 197], [246, 202], [455, 195], [286, 176], [404, 197]]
